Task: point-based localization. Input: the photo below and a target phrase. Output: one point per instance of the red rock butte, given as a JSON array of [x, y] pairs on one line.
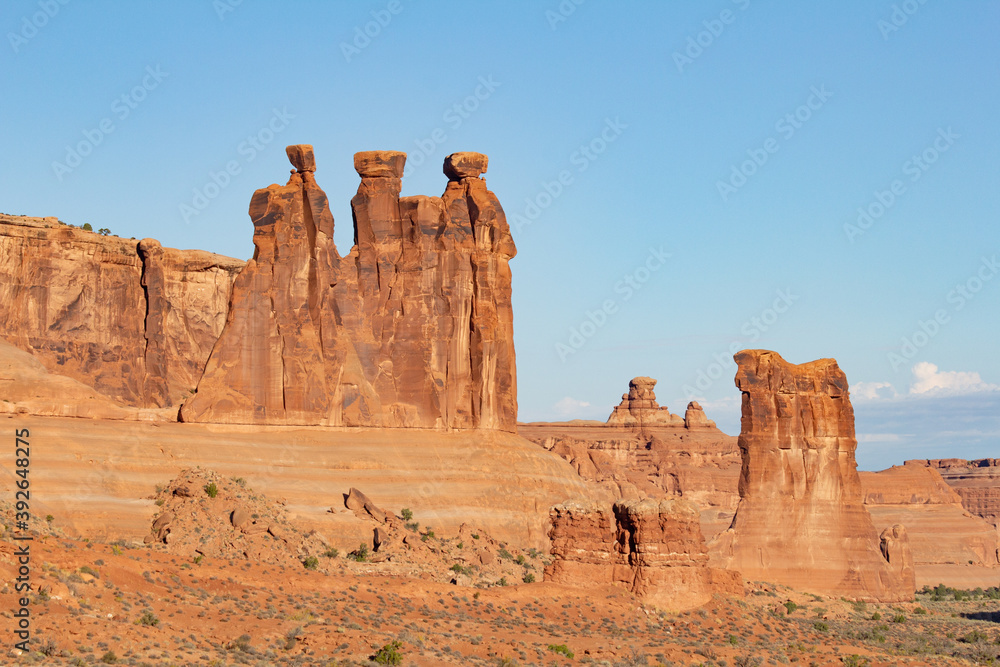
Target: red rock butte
[[801, 520]]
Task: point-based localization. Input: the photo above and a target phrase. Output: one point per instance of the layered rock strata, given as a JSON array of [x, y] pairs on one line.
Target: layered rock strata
[[801, 520], [653, 548], [413, 328], [645, 451], [131, 319]]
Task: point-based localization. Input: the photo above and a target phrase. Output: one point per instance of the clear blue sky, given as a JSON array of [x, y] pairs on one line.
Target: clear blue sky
[[832, 100]]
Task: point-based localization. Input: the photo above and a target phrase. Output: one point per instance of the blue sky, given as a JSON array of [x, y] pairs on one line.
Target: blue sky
[[683, 179]]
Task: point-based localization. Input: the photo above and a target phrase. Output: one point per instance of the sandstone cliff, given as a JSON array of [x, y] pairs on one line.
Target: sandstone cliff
[[801, 520], [413, 328], [653, 548], [131, 319], [977, 482]]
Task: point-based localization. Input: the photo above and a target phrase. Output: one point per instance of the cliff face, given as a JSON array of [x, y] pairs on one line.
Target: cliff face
[[801, 520], [653, 548], [132, 319], [413, 328], [977, 482]]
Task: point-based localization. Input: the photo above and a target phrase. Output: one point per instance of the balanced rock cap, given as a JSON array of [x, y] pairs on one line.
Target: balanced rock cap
[[380, 164], [301, 156], [465, 165]]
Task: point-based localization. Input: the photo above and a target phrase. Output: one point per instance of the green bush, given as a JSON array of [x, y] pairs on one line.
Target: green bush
[[359, 555], [148, 619], [310, 563], [389, 654], [331, 553], [821, 626], [109, 658], [898, 618], [791, 606], [406, 513], [561, 649], [211, 489], [87, 227], [855, 661], [529, 578]]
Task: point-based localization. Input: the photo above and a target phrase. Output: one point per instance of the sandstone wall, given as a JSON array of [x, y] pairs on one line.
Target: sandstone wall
[[132, 319], [653, 548]]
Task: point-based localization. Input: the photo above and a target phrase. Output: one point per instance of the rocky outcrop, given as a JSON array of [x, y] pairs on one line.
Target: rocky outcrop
[[694, 417], [131, 319], [801, 520], [894, 544], [644, 451], [652, 548], [413, 328], [640, 409]]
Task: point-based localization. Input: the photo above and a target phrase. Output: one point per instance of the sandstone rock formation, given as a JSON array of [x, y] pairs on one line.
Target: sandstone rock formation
[[644, 451], [413, 328], [801, 520], [653, 548], [895, 547], [640, 409], [977, 482], [133, 320], [694, 417], [949, 544]]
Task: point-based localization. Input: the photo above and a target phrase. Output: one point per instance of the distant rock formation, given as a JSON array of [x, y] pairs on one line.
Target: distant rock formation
[[131, 319], [801, 520], [694, 417], [413, 328], [977, 482], [640, 409], [644, 451], [652, 548]]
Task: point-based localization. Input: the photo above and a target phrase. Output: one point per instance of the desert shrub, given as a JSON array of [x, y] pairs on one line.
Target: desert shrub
[[821, 626], [505, 554], [241, 643], [359, 555], [211, 489], [148, 619], [974, 637], [389, 654], [791, 606], [855, 661], [746, 660], [291, 639], [331, 553], [310, 563], [528, 578], [406, 513], [87, 227], [561, 649], [898, 618]]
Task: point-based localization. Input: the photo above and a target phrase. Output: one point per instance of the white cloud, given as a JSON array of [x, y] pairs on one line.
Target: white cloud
[[569, 407], [928, 379], [871, 391]]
